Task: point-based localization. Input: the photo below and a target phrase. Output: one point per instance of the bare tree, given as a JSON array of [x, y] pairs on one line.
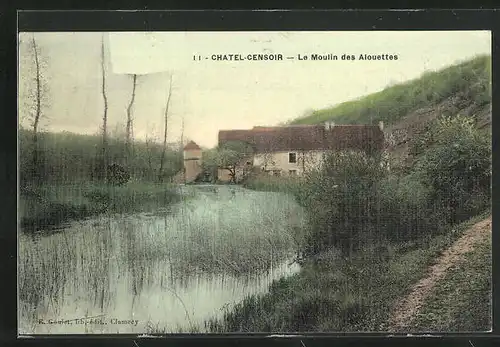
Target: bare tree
[[129, 130], [150, 142], [181, 142], [104, 149], [37, 99], [166, 115]]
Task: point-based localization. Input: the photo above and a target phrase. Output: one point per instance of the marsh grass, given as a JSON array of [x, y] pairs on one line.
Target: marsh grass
[[244, 233], [47, 206], [92, 263]]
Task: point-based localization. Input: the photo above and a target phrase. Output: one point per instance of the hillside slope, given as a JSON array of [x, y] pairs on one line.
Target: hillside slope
[[466, 84], [406, 108]]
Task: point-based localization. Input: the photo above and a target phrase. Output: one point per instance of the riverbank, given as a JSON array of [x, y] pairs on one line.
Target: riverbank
[[47, 206], [268, 183], [332, 293]]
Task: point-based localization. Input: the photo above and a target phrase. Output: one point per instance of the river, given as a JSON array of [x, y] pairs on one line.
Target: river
[[168, 270]]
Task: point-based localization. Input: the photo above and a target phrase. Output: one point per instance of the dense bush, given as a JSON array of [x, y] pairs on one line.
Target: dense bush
[[352, 200], [118, 175], [457, 166], [341, 200]]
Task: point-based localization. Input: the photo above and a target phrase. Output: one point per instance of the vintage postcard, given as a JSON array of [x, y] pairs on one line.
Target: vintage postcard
[[254, 182]]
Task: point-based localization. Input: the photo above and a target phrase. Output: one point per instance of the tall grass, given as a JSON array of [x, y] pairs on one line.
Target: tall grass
[[240, 232], [113, 266], [45, 206]]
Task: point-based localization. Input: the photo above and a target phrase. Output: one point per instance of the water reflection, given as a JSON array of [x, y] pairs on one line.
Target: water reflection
[[169, 269]]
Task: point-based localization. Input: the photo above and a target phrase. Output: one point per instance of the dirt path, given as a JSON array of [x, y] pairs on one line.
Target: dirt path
[[406, 309]]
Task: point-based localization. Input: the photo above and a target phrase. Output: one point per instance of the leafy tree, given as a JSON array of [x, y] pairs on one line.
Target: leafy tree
[[231, 156]]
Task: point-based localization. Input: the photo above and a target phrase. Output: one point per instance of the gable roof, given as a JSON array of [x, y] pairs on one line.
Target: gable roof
[[191, 146], [307, 137]]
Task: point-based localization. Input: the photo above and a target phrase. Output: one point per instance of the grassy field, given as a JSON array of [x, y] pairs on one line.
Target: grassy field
[[472, 78], [48, 205], [333, 293]]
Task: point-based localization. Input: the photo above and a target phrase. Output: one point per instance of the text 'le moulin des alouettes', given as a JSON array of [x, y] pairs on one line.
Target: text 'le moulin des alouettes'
[[301, 57]]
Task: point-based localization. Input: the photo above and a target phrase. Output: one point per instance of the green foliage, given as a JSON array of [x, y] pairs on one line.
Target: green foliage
[[269, 183], [232, 153], [209, 165], [352, 199], [471, 78], [230, 156], [117, 175], [341, 200], [457, 165]]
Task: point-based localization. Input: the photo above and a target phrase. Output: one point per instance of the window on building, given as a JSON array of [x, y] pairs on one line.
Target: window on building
[[292, 172], [292, 157]]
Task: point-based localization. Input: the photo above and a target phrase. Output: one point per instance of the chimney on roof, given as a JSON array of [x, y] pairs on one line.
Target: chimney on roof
[[381, 125], [329, 125]]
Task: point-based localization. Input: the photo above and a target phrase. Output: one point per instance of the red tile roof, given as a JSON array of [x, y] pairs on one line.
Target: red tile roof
[[191, 145], [307, 137]]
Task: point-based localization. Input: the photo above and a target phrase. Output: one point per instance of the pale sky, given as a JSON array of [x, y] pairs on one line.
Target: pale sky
[[214, 95]]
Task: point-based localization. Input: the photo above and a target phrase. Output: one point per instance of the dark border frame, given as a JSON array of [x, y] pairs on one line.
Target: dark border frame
[[224, 20]]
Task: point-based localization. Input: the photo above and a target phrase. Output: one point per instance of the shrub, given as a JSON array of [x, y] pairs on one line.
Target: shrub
[[118, 175], [457, 166], [341, 199]]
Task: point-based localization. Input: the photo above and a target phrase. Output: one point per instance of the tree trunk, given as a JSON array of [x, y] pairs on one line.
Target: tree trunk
[[129, 121], [150, 163], [182, 136], [104, 150], [164, 149], [232, 173], [38, 110]]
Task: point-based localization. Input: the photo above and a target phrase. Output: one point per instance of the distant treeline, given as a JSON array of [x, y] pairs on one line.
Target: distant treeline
[[68, 157]]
